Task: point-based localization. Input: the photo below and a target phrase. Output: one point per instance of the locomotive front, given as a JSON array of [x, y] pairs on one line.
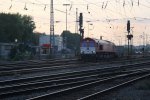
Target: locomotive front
[[87, 48]]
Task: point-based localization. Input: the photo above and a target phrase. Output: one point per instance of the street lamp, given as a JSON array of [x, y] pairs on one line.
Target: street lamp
[[16, 40], [66, 13]]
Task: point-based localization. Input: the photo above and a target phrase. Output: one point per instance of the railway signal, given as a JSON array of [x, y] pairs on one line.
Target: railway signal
[[81, 20], [81, 25], [129, 36], [128, 26]]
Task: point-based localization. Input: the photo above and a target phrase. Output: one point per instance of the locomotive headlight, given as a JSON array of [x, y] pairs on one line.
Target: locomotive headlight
[[82, 52], [93, 51]]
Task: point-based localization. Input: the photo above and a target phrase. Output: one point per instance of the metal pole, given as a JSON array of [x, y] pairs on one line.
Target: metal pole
[[88, 29], [76, 25], [66, 13], [128, 36], [66, 18], [52, 41], [128, 46]]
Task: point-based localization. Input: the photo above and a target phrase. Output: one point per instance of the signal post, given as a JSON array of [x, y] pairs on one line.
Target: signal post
[[129, 37]]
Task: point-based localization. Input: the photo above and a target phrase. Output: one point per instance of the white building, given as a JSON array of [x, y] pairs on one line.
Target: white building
[[44, 43]]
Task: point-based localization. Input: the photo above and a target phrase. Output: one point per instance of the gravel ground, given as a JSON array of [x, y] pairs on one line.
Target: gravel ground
[[137, 91]]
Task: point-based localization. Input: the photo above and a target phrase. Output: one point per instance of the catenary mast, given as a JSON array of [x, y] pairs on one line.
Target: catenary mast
[[52, 41]]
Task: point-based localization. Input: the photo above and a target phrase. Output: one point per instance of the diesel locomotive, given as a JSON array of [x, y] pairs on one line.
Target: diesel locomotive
[[97, 49]]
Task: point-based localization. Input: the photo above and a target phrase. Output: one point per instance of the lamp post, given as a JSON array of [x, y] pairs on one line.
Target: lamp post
[[66, 23], [16, 40], [66, 13]]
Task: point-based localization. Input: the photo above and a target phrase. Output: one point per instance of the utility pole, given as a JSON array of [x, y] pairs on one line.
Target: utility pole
[[64, 38], [81, 25], [52, 40], [76, 26], [128, 30], [66, 13], [131, 40], [129, 36]]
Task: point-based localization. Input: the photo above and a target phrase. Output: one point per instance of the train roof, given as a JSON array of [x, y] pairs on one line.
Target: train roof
[[103, 41], [99, 41]]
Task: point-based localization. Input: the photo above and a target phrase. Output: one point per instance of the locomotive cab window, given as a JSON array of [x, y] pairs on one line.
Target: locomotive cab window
[[84, 44], [100, 47], [96, 44]]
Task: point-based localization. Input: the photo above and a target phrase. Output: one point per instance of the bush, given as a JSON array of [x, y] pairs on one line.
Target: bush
[[20, 52]]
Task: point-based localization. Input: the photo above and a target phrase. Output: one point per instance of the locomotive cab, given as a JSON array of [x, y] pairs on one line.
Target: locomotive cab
[[87, 48], [95, 49]]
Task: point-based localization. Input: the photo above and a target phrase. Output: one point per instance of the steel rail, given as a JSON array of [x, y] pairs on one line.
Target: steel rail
[[123, 67], [31, 86], [59, 75], [35, 61], [110, 89], [73, 89], [95, 70], [72, 82], [30, 68], [41, 68], [22, 65], [46, 62]]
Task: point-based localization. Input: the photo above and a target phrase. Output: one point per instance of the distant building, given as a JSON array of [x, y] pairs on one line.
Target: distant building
[[44, 43], [5, 49], [120, 51]]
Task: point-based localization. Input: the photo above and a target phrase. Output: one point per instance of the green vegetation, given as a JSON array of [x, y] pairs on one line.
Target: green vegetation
[[16, 26], [21, 52], [72, 40], [18, 29]]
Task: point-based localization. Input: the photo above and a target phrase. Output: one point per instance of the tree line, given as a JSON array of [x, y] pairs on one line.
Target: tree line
[[71, 40], [16, 26], [21, 28]]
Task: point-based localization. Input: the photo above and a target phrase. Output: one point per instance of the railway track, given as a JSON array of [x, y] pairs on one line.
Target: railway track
[[92, 90], [36, 64], [23, 69], [99, 94], [53, 85], [52, 62], [34, 61], [28, 85], [127, 60], [61, 74], [52, 65]]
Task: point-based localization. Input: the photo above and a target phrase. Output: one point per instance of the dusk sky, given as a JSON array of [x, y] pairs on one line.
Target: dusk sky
[[107, 18]]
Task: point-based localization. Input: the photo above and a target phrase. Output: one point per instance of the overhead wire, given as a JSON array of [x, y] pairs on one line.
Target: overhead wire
[[45, 5], [86, 5]]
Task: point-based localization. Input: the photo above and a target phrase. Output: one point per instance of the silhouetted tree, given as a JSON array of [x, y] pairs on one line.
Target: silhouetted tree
[[72, 40], [16, 26]]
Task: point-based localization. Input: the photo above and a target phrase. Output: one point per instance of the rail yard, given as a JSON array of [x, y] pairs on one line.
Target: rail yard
[[69, 79], [74, 49]]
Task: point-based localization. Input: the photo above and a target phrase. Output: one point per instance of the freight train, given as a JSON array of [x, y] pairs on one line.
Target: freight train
[[96, 49]]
